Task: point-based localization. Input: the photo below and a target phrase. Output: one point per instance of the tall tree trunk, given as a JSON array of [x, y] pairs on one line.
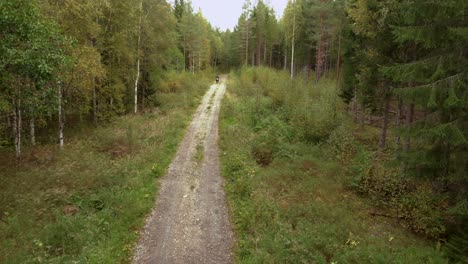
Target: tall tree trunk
[[409, 121], [318, 63], [60, 116], [293, 41], [383, 139], [271, 57], [398, 119], [20, 129], [338, 57], [8, 120], [190, 62], [199, 62], [363, 115], [137, 79], [247, 29], [95, 121], [322, 49], [259, 49], [285, 66], [185, 55], [193, 63], [355, 105], [32, 129], [17, 128], [407, 142], [143, 95]]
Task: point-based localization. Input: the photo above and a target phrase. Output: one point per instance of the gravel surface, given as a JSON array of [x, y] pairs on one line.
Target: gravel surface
[[190, 222]]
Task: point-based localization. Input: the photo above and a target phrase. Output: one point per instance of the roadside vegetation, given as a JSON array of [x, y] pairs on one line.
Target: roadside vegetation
[[87, 203], [298, 171]]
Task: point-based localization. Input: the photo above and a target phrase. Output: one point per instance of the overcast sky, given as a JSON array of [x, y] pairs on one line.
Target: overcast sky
[[225, 13]]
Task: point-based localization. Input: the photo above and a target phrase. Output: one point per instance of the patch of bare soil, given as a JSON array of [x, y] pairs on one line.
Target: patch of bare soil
[[190, 222]]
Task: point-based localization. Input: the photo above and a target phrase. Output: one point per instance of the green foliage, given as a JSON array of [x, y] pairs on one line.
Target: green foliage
[[413, 204], [31, 51], [298, 209], [342, 146], [312, 112], [58, 208]]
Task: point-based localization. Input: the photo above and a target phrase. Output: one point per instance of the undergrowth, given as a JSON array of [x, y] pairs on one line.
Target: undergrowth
[[288, 156], [87, 203]]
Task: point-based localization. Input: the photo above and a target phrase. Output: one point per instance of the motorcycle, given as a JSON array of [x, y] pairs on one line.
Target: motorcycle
[[217, 79]]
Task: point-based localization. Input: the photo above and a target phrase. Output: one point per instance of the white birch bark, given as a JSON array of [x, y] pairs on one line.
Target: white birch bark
[[293, 41], [137, 79], [60, 116], [17, 129]]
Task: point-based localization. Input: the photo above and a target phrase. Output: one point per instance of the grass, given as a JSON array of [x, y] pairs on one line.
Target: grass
[[200, 153], [87, 203], [298, 207]]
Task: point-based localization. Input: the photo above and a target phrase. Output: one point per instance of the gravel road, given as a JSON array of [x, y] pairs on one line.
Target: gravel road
[[190, 221]]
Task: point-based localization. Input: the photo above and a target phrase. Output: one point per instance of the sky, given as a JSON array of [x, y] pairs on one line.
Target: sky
[[225, 13]]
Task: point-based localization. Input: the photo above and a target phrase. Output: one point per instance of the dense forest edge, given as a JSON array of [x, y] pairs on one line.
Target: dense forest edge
[[352, 116]]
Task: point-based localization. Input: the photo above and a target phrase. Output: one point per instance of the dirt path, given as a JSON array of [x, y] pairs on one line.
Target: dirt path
[[190, 221]]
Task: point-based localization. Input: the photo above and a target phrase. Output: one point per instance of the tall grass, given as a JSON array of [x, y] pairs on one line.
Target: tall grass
[[283, 144], [86, 203]]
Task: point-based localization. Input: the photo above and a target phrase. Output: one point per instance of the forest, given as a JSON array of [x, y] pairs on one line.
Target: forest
[[338, 115]]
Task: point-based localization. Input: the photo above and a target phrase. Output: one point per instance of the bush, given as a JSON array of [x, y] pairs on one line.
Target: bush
[[341, 145], [175, 90], [412, 202], [312, 109]]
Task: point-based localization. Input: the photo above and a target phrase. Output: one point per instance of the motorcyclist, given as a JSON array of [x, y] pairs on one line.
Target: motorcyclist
[[217, 79]]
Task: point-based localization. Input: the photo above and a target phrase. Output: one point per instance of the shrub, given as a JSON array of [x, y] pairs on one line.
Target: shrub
[[412, 202], [341, 145]]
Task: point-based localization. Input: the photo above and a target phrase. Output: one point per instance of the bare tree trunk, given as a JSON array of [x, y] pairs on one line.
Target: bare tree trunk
[[318, 63], [185, 55], [32, 127], [194, 61], [398, 119], [285, 66], [355, 106], [322, 49], [143, 96], [247, 42], [95, 121], [199, 62], [338, 58], [8, 120], [293, 41], [60, 116], [383, 139], [17, 128], [259, 49], [137, 79], [20, 129], [363, 115], [271, 57], [409, 120], [407, 142]]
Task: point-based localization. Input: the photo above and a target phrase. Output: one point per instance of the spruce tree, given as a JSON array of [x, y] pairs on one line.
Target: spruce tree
[[432, 76]]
